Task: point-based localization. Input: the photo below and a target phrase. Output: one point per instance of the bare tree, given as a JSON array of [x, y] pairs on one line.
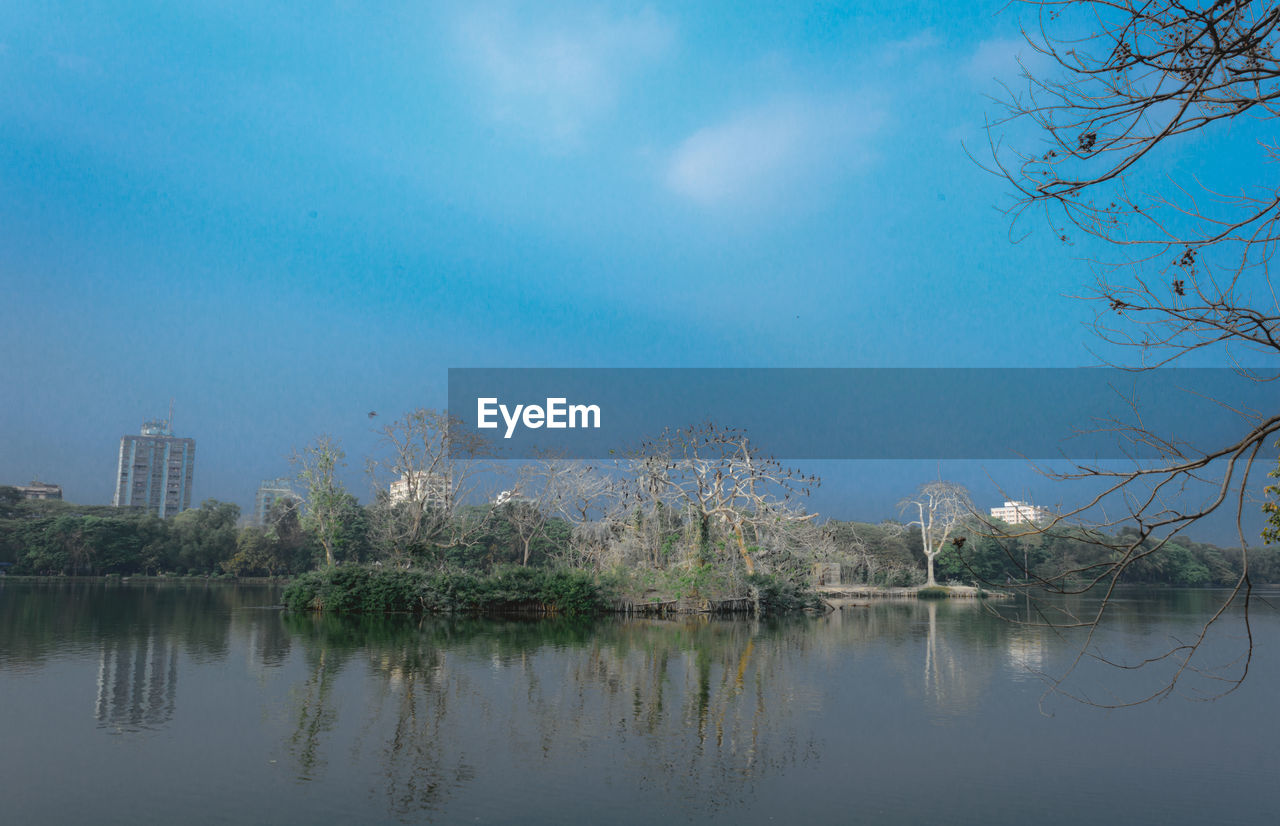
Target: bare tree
[[724, 481], [1193, 266], [1143, 74], [525, 506], [1129, 80], [580, 491], [590, 498], [528, 520], [791, 548], [940, 507], [420, 488]]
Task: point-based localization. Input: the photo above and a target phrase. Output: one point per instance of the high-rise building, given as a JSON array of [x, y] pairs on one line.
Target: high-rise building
[[155, 470], [270, 492]]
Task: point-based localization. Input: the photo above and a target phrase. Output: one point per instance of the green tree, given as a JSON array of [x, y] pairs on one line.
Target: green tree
[[71, 536], [9, 499], [254, 555], [203, 538], [290, 542], [332, 514], [153, 544], [1271, 532]]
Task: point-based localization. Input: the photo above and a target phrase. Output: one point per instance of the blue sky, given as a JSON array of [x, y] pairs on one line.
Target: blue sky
[[286, 215]]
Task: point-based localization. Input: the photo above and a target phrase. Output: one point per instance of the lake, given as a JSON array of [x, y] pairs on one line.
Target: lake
[[206, 703]]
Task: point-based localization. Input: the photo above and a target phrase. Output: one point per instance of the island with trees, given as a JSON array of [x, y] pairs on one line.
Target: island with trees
[[698, 519]]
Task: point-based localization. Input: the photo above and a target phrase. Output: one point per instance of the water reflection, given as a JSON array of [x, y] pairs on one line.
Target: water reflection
[[692, 707], [943, 678], [40, 621], [1025, 652], [940, 650], [138, 635], [137, 683], [450, 719], [269, 641], [1147, 643]]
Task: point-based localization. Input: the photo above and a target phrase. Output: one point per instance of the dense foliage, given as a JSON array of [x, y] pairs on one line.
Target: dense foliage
[[649, 550], [53, 537], [509, 589], [775, 595], [890, 554]]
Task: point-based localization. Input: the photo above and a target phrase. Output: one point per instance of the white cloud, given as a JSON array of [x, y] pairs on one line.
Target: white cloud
[[774, 152], [554, 80]]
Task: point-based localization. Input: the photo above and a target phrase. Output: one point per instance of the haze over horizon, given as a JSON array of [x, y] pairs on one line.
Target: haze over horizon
[[284, 218]]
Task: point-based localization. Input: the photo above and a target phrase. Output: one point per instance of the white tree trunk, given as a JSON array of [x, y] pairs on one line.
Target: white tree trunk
[[929, 553]]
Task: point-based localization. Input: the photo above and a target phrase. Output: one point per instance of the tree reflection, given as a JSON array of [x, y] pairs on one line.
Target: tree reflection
[[327, 653], [944, 679], [943, 648], [695, 707]]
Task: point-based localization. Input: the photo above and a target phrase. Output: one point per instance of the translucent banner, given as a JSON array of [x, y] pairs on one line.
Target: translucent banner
[[859, 413]]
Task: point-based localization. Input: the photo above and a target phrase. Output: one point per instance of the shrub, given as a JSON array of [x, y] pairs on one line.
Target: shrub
[[775, 595], [360, 589]]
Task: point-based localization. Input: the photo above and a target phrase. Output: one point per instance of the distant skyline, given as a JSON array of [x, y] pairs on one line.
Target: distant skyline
[[287, 215]]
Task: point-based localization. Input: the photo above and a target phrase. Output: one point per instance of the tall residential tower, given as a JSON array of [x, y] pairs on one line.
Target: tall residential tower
[[155, 470]]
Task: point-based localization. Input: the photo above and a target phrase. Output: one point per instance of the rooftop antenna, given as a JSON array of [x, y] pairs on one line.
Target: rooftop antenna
[[169, 424]]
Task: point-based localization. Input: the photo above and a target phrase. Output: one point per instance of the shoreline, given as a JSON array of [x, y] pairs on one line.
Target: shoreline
[[840, 596]]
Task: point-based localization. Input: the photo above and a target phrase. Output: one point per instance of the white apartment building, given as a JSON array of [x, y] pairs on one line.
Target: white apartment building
[[425, 487], [1016, 513]]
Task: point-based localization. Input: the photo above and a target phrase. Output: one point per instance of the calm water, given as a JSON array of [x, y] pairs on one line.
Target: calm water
[[204, 704]]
